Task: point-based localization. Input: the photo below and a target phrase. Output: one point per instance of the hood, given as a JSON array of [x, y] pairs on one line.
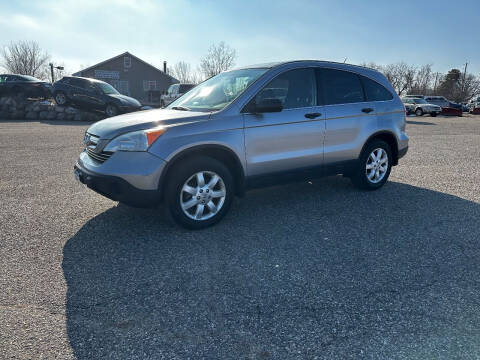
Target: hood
[[125, 99], [141, 120]]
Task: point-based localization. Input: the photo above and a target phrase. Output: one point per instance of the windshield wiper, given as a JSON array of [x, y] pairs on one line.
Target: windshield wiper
[[182, 108]]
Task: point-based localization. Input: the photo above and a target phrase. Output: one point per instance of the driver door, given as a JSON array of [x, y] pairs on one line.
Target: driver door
[[293, 138]]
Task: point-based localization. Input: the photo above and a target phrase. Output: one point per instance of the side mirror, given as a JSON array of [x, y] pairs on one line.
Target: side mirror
[[267, 106]]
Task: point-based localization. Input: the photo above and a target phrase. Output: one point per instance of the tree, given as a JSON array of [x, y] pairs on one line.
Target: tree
[[401, 76], [219, 58], [423, 80], [26, 58], [450, 84], [183, 72]]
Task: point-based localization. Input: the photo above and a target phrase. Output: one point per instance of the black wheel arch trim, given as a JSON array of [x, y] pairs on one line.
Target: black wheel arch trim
[[379, 135], [238, 174]]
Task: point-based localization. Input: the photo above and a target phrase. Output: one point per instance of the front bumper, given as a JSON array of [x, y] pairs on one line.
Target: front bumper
[[116, 188], [129, 177]]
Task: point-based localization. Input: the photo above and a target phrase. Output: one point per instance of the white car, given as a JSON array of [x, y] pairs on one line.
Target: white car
[[174, 92], [421, 106]]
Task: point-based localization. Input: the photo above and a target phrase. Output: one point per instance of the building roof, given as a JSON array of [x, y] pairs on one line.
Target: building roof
[[126, 53]]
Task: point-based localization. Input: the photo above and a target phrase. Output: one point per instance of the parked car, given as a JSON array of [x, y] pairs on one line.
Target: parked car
[[438, 100], [93, 94], [474, 105], [24, 85], [465, 107], [409, 107], [414, 96], [174, 92], [237, 130], [421, 106]]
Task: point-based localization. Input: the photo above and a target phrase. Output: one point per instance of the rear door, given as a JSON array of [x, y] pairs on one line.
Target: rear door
[[290, 139], [78, 91], [349, 116]]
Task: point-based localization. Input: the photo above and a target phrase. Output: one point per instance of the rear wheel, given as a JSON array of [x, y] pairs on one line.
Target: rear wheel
[[199, 192], [374, 166], [419, 112]]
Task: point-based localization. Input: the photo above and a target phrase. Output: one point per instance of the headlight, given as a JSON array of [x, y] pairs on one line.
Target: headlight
[[134, 141]]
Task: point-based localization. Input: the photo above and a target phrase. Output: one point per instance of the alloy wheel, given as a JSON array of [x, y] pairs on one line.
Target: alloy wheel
[[377, 165], [202, 196], [60, 99]]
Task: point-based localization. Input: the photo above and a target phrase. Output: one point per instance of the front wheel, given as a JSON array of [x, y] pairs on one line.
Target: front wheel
[[111, 110], [60, 98], [374, 166], [199, 192], [433, 114]]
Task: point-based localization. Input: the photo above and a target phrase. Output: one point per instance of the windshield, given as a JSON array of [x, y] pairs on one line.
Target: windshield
[[219, 91], [107, 88]]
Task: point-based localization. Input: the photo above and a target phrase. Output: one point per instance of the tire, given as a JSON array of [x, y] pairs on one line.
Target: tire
[[162, 104], [433, 114], [184, 176], [360, 178], [60, 98], [419, 112], [111, 110]]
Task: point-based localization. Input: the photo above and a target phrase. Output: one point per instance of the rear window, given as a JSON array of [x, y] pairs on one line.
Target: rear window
[[374, 91], [342, 87], [27, 78]]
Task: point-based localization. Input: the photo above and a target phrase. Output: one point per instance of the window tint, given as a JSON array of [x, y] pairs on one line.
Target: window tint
[[342, 87], [374, 91], [294, 89], [184, 88], [77, 82]]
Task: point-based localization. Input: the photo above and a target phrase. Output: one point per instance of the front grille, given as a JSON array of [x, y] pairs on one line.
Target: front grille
[[100, 157]]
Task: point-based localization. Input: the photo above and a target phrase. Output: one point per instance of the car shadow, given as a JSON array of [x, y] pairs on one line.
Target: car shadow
[[295, 271], [419, 122]]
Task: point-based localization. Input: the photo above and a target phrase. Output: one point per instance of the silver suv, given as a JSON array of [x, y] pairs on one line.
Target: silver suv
[[246, 128]]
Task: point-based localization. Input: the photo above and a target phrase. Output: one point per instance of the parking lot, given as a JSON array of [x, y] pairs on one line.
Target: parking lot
[[300, 271]]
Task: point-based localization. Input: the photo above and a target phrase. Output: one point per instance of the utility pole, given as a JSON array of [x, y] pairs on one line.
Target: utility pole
[[51, 70], [435, 86], [463, 83]]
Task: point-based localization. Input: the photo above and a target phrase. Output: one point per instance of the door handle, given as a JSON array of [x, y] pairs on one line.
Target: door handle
[[312, 115], [367, 110]]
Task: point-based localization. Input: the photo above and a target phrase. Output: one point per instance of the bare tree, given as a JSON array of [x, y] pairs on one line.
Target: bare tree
[[401, 76], [183, 72], [469, 87], [219, 58], [423, 80], [24, 57]]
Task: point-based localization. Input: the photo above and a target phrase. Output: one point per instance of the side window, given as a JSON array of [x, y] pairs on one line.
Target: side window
[[175, 89], [342, 87], [294, 88], [374, 91], [76, 82]]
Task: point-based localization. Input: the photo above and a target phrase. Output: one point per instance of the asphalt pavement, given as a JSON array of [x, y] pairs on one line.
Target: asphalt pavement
[[312, 270]]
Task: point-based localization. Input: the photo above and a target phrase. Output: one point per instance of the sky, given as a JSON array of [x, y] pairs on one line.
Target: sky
[[83, 33]]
